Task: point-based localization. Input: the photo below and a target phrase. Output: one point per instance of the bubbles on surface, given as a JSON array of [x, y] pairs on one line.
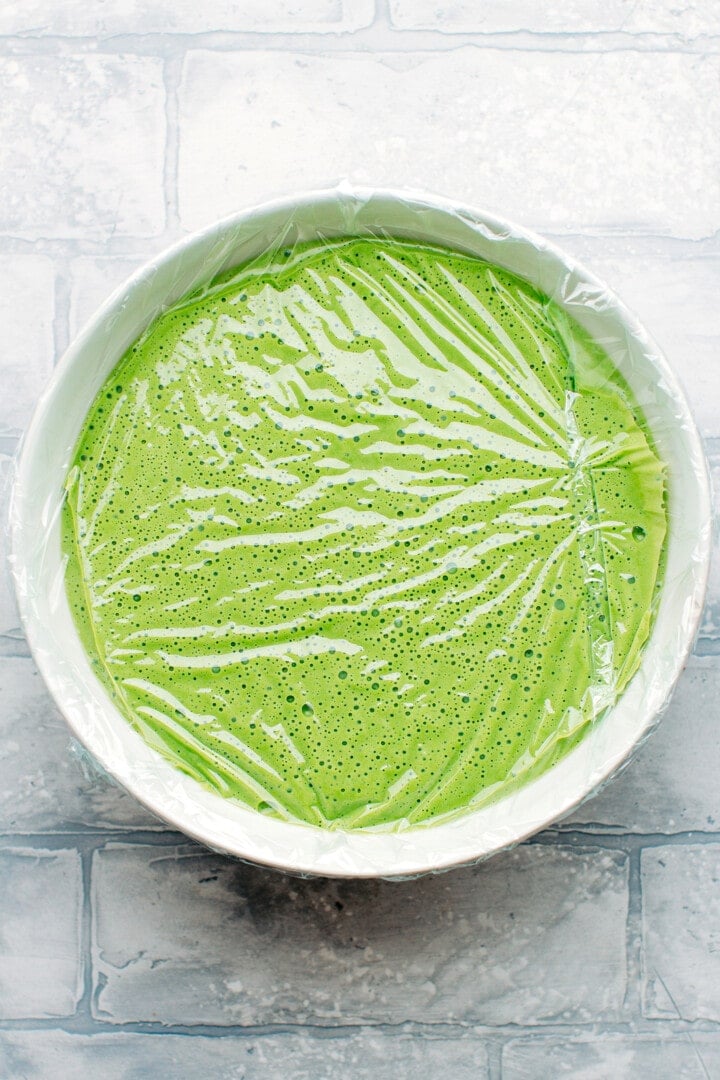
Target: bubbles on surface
[[349, 532]]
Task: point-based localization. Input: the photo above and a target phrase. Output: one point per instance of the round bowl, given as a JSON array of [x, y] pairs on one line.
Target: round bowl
[[38, 566]]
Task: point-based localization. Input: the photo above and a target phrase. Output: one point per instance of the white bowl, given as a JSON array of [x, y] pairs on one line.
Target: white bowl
[[230, 827]]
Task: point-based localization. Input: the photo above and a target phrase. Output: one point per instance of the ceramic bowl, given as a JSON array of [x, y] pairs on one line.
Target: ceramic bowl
[[38, 567]]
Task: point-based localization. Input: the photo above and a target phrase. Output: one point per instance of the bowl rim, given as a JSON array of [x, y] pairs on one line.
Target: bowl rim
[[295, 847]]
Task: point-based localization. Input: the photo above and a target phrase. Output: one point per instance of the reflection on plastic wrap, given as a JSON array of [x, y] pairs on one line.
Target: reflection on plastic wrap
[[365, 533], [383, 523]]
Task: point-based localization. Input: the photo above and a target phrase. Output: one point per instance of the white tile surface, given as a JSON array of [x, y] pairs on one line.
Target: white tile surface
[[686, 19], [40, 899], [681, 924], [37, 17], [82, 140], [555, 140], [532, 936], [680, 1057], [27, 308], [366, 1056]]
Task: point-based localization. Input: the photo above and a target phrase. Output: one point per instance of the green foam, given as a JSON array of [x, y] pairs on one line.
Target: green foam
[[366, 533]]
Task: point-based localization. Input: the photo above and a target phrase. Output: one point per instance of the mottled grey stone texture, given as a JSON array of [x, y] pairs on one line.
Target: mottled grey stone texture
[[681, 928], [367, 1054], [533, 936], [40, 902], [614, 1057]]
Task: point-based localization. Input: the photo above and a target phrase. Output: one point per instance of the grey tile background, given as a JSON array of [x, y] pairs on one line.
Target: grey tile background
[[592, 951]]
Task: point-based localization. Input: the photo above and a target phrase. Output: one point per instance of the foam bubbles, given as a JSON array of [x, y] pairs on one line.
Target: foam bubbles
[[355, 530]]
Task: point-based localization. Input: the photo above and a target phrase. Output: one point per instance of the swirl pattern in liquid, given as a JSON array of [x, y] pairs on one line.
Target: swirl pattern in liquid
[[366, 533]]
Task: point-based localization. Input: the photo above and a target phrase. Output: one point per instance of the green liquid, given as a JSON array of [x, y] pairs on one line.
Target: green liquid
[[365, 534]]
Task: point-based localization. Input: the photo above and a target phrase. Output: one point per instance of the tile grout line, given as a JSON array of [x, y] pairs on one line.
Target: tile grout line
[[380, 36], [83, 1010], [642, 967], [86, 842], [632, 1004], [494, 1050], [383, 19], [89, 839], [630, 842], [497, 1035]]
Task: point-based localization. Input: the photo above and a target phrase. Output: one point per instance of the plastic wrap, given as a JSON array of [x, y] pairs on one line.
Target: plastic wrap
[[417, 484]]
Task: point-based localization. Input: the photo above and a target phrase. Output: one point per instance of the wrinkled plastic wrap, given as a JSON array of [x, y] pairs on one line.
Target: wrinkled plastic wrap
[[393, 562]]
